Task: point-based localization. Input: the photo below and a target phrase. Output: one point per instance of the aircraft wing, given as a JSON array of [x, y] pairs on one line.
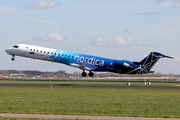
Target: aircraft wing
[[82, 66]]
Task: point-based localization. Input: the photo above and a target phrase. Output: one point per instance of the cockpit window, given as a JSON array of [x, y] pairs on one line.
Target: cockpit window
[[15, 46]]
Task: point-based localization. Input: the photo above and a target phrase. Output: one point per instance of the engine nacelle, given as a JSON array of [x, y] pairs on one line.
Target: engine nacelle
[[121, 64]]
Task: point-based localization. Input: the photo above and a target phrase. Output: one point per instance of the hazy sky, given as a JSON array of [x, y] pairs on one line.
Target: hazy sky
[[119, 29]]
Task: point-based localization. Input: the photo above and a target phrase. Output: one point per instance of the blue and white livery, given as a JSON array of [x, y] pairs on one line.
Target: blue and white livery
[[86, 62]]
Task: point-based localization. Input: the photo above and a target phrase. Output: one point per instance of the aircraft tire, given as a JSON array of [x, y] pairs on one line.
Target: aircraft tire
[[84, 74], [91, 74]]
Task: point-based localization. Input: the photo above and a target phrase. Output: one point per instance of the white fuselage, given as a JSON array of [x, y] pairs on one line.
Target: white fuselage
[[34, 52]]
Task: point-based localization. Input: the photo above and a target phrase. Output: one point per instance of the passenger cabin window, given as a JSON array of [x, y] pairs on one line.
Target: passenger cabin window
[[15, 46], [58, 54], [72, 56], [41, 51], [68, 55], [30, 49], [52, 53], [48, 53], [37, 50], [62, 55], [34, 50], [44, 51]]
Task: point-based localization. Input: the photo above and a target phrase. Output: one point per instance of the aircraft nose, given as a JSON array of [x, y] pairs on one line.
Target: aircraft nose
[[8, 50]]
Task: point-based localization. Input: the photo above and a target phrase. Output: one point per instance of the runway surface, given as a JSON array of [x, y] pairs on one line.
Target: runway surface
[[81, 117], [91, 86]]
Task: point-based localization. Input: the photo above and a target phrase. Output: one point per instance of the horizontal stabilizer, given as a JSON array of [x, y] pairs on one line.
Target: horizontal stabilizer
[[159, 55], [168, 57]]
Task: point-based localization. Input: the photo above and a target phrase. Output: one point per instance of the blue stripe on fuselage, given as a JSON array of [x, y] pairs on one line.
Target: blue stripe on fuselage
[[95, 63]]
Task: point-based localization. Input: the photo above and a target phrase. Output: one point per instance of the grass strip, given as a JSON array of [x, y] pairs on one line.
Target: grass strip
[[91, 101]]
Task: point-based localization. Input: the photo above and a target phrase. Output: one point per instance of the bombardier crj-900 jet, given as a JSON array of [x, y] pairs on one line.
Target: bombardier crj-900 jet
[[86, 62]]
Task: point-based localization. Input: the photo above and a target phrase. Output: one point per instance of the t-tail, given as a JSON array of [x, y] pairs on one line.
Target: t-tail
[[146, 65]]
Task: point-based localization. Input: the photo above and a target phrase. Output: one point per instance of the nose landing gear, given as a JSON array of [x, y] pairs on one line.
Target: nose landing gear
[[12, 58]]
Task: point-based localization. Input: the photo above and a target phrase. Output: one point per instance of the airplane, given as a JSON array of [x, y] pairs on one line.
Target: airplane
[[86, 62]]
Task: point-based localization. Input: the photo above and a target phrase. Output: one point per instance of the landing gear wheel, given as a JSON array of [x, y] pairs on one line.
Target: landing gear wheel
[[84, 74], [91, 74], [12, 58]]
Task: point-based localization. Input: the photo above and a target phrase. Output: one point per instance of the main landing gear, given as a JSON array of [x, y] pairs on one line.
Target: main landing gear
[[84, 74], [12, 58]]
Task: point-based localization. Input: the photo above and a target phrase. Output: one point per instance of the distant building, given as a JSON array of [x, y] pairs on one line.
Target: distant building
[[62, 71], [21, 74], [18, 75]]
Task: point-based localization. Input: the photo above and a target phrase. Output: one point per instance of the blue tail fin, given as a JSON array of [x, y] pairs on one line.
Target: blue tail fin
[[147, 63], [152, 59]]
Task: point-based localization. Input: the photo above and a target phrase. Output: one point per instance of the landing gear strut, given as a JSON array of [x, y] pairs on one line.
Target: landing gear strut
[[12, 58]]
